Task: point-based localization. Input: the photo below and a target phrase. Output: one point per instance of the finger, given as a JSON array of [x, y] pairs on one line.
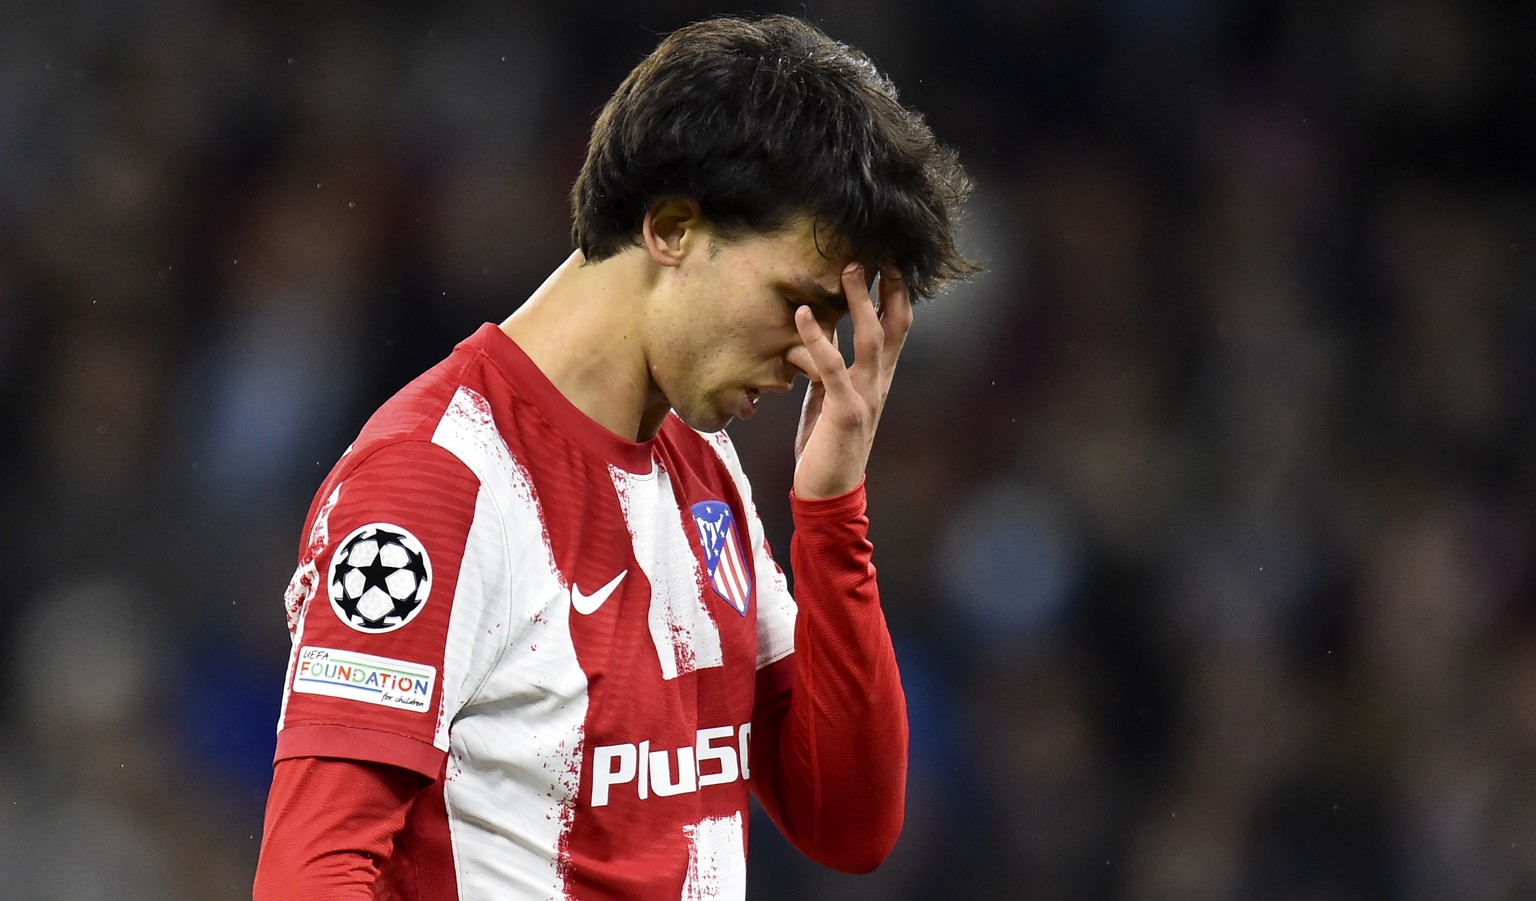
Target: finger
[[895, 312], [868, 333]]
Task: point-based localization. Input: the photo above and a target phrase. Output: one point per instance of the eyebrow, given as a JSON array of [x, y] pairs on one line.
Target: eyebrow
[[809, 288]]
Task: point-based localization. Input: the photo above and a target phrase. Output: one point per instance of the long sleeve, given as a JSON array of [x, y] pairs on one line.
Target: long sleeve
[[831, 721], [329, 825]]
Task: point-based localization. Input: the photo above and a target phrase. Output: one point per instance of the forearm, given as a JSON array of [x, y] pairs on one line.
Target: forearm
[[840, 776]]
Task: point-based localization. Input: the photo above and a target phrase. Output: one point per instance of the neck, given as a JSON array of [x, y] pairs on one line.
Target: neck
[[582, 329]]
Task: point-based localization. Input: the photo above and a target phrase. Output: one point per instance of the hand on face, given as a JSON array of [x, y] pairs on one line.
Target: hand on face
[[843, 403]]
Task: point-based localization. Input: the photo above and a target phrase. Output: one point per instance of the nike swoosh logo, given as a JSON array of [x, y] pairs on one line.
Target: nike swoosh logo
[[587, 603]]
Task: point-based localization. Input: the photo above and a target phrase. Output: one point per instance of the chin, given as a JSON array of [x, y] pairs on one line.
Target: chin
[[704, 421]]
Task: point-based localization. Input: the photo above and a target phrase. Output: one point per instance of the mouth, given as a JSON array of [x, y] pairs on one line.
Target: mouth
[[748, 406], [751, 395]]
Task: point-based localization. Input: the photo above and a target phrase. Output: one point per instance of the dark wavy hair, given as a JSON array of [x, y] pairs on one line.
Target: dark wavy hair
[[760, 121]]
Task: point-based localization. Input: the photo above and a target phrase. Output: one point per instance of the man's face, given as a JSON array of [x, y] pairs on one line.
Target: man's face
[[723, 332]]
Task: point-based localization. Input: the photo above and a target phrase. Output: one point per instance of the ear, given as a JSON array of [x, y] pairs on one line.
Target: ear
[[672, 227]]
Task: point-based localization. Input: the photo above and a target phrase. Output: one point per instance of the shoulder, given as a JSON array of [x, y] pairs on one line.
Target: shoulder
[[417, 410], [444, 418], [401, 456]]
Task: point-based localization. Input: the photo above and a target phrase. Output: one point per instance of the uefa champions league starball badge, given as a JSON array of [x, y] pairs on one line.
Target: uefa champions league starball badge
[[380, 578]]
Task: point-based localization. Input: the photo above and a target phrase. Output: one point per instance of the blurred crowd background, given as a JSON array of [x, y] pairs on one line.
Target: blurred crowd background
[[1205, 518]]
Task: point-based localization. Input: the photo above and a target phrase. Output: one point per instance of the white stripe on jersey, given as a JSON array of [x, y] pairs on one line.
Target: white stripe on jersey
[[717, 858], [512, 780], [684, 634]]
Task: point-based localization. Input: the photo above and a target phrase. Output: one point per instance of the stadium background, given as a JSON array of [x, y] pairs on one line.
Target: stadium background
[[1205, 519]]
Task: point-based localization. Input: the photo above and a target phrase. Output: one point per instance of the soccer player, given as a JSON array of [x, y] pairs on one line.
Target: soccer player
[[540, 646]]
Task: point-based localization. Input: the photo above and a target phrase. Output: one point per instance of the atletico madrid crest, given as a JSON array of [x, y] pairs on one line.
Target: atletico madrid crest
[[729, 573]]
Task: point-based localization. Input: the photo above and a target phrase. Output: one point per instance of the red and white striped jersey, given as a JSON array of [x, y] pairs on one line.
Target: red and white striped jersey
[[561, 628]]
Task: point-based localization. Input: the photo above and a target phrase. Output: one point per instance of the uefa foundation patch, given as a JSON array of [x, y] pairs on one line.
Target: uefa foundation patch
[[379, 578], [364, 677]]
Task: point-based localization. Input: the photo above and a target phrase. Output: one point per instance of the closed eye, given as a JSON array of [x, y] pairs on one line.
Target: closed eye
[[823, 302], [825, 314]]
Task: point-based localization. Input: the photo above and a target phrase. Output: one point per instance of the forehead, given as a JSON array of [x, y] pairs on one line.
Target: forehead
[[799, 252]]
